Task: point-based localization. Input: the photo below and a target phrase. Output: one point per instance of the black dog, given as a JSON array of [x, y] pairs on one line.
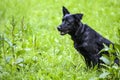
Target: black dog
[[87, 41]]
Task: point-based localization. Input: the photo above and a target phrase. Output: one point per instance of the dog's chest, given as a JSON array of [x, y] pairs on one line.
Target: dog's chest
[[78, 45], [80, 48]]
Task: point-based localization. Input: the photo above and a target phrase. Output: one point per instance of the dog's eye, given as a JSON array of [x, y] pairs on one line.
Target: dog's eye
[[69, 21], [66, 21]]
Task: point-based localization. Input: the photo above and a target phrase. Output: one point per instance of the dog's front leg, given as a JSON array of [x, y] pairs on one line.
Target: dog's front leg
[[95, 60], [88, 62]]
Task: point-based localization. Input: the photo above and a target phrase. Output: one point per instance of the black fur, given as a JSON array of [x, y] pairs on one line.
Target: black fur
[[86, 40]]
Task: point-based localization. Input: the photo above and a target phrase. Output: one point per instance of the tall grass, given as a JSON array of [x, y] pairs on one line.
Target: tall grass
[[32, 48]]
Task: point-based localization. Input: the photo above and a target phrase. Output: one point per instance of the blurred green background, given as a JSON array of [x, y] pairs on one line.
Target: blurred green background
[[31, 48]]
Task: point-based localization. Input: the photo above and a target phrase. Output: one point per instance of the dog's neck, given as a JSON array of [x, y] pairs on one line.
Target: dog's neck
[[78, 30]]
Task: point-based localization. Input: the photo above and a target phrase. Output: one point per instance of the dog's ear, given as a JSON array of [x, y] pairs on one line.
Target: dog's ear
[[78, 16], [65, 11]]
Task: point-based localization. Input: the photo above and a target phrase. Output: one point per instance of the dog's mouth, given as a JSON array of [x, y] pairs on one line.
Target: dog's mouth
[[63, 33]]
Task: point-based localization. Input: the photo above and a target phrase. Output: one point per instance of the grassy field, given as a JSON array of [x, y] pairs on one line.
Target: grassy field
[[31, 48]]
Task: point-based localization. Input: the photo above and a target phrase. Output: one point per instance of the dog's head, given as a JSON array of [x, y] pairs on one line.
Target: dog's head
[[69, 21]]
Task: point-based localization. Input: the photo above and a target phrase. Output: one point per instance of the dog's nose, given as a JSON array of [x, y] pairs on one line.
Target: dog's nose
[[59, 28]]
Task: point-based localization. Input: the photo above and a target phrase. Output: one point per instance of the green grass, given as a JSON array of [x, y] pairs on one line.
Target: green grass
[[31, 48]]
